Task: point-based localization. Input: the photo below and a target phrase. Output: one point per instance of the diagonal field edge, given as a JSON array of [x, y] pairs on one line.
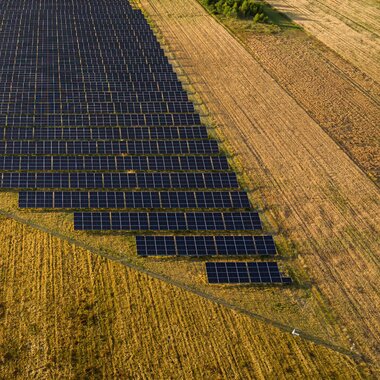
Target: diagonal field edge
[[128, 263]]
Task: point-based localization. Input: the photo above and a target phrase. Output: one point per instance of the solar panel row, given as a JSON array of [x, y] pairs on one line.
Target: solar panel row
[[98, 86], [167, 221], [205, 245], [88, 77], [111, 133], [94, 120], [118, 180], [102, 108], [110, 147], [121, 200], [245, 272], [108, 163]]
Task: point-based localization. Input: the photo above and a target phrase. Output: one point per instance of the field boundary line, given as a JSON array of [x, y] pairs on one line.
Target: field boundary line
[[219, 301]]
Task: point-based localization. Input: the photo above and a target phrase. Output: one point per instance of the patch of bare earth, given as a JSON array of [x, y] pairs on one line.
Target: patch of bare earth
[[325, 204]]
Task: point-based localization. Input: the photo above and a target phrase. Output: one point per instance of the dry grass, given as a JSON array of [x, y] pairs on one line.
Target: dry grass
[[68, 314], [351, 28], [329, 89], [295, 306], [334, 93], [324, 202]]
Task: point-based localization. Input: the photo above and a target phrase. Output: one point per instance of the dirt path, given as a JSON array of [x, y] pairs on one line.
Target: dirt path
[[325, 203], [351, 28]]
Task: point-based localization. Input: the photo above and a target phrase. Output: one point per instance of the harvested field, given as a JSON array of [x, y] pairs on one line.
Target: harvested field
[[327, 87], [351, 28], [80, 316], [325, 204]]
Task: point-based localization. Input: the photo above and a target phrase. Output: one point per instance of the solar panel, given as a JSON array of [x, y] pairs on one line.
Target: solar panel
[[167, 221], [117, 180], [112, 163], [110, 147], [205, 245], [245, 272], [91, 133], [120, 200]]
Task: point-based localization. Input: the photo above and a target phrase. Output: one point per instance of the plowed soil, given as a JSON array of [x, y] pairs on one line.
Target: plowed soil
[[325, 204]]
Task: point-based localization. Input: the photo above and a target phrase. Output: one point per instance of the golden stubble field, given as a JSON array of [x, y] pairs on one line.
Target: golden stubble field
[[340, 98], [326, 205], [351, 28], [66, 313]]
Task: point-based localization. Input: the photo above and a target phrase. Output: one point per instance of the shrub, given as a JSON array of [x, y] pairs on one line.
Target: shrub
[[238, 8]]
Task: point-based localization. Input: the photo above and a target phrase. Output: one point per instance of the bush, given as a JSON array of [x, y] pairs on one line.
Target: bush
[[238, 8]]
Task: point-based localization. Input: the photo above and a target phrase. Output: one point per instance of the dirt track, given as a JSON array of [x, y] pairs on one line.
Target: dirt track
[[351, 28], [325, 203]]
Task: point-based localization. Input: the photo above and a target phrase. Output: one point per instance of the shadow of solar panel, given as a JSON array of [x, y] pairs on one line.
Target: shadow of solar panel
[[207, 245], [167, 221], [245, 272]]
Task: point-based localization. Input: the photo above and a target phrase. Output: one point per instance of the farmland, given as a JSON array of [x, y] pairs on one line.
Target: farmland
[[351, 28], [78, 315], [84, 302], [326, 205], [332, 92], [340, 98]]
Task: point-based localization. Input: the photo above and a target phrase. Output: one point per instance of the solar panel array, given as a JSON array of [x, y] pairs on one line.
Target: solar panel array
[[205, 245], [167, 221], [245, 272], [89, 101], [123, 200]]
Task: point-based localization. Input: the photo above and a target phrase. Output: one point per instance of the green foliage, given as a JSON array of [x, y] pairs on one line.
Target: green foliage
[[238, 8]]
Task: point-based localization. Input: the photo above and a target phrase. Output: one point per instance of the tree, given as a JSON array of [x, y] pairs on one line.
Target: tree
[[256, 18], [244, 8]]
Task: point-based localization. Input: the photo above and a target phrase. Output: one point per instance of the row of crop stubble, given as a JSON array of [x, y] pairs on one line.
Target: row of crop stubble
[[78, 315]]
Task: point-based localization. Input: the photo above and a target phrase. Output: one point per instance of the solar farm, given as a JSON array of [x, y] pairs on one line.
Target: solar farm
[[161, 195], [91, 102]]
